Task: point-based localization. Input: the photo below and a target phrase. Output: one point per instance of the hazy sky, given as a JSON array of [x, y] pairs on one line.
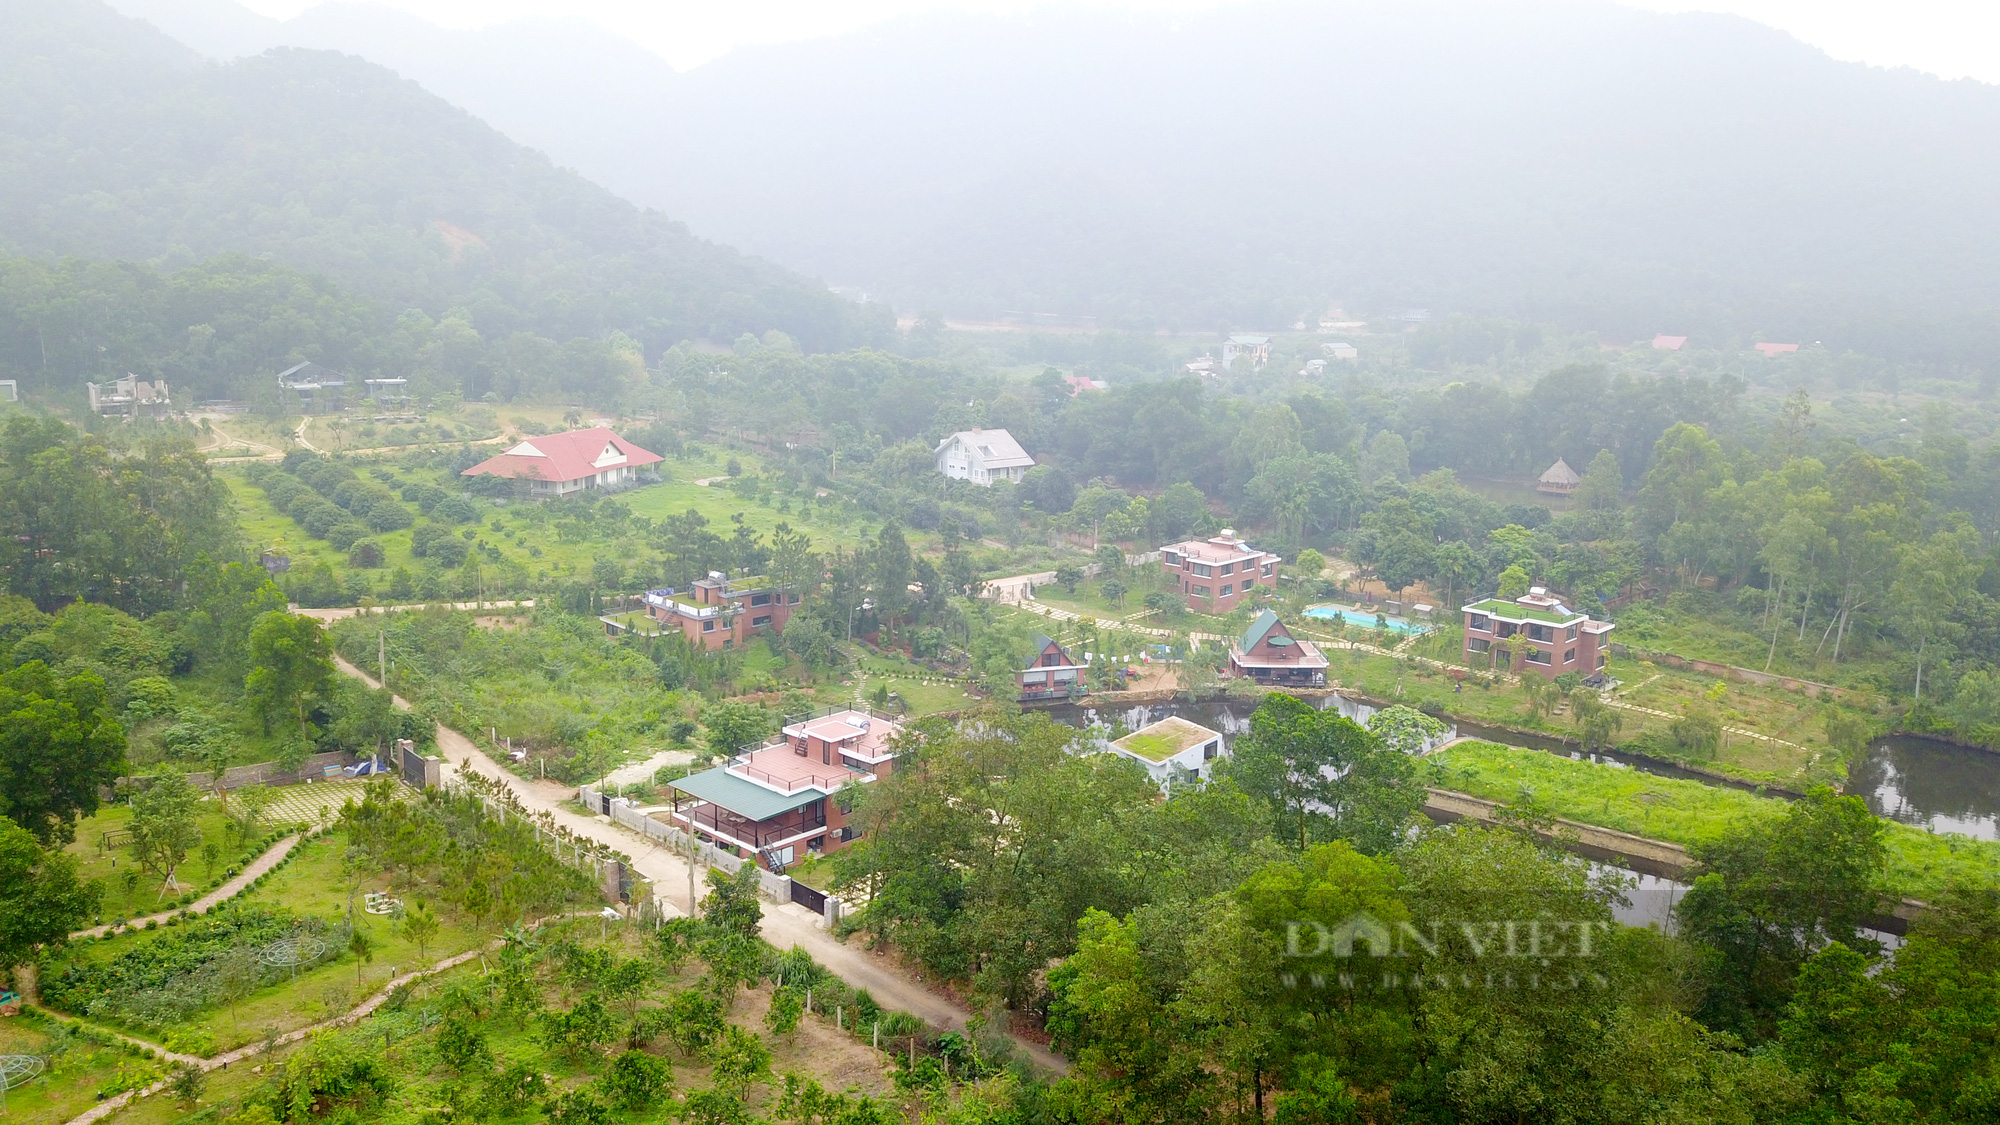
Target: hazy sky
[[1951, 38]]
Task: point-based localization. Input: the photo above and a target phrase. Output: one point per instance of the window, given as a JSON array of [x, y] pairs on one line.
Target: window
[[1199, 591], [1477, 644], [1052, 660], [760, 622], [1226, 590], [1209, 751], [1538, 632], [1171, 558], [816, 844], [1267, 569], [849, 834], [1536, 656], [708, 626], [1204, 570], [1481, 622], [1569, 657], [1034, 678], [1226, 568], [760, 599], [1569, 634], [1600, 660]]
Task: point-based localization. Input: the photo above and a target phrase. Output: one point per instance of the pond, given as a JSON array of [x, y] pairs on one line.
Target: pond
[[1933, 785]]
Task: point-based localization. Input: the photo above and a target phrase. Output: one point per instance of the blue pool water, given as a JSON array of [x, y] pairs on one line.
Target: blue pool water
[[1365, 620]]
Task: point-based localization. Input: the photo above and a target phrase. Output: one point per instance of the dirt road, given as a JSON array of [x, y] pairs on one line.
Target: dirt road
[[784, 926]]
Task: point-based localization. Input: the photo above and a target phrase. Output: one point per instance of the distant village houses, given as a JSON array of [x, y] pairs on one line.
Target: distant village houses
[[982, 457], [1257, 349], [316, 387], [130, 397]]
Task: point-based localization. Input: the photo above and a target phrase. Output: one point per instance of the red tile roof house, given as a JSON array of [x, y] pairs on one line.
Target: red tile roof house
[[1052, 673], [723, 612], [1217, 574], [1269, 654], [555, 465], [785, 797], [1535, 632]]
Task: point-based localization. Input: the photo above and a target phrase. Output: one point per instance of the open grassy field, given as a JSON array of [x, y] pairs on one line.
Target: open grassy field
[[130, 892], [1688, 812]]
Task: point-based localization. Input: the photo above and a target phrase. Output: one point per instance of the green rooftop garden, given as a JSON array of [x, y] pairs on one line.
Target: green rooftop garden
[[1163, 739], [1514, 611]]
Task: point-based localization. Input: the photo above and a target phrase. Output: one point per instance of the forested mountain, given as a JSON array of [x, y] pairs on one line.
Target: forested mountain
[[1564, 161], [117, 143]]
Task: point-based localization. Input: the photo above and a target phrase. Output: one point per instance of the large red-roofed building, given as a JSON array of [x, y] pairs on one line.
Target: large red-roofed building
[[568, 463]]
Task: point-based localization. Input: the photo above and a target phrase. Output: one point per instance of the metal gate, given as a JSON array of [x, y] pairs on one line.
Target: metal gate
[[807, 897]]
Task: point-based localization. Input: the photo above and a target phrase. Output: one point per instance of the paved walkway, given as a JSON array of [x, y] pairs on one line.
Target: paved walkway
[[784, 926], [272, 856], [112, 1105]]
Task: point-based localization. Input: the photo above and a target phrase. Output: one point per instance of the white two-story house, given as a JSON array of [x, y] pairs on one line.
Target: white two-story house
[[983, 456]]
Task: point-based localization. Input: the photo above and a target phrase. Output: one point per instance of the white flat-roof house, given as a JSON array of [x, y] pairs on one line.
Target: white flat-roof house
[[983, 456], [1171, 744]]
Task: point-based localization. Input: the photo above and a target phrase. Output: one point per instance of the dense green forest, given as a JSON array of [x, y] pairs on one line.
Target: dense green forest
[[121, 144]]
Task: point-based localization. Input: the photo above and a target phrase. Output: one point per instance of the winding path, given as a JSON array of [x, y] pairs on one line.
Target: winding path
[[109, 1106], [272, 857]]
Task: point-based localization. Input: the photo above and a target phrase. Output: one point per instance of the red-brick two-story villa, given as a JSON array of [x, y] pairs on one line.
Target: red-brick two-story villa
[[1216, 574], [1535, 632], [783, 799]]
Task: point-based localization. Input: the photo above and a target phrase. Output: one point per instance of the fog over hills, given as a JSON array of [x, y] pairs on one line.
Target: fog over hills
[[118, 143], [1561, 160]]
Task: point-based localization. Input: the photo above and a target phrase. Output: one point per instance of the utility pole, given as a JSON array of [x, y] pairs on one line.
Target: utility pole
[[382, 657]]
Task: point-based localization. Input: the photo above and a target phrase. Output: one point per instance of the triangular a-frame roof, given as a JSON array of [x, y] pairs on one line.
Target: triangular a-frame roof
[[1261, 628], [1560, 473]]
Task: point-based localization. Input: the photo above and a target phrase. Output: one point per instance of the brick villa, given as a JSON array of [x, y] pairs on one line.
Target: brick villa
[[785, 797], [1268, 654], [1535, 632], [723, 612], [1215, 575]]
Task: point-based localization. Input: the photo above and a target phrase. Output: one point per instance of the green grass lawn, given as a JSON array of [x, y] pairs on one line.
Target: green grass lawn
[[1688, 812], [114, 868], [908, 680], [73, 1081]]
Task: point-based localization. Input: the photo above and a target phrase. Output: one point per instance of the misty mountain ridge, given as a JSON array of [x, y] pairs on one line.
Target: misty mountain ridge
[[116, 142], [1572, 162]]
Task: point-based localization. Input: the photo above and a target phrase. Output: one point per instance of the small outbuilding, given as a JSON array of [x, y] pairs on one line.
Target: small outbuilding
[[1559, 480]]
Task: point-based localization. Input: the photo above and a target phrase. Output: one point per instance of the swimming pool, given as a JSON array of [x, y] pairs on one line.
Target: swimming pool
[[1365, 620]]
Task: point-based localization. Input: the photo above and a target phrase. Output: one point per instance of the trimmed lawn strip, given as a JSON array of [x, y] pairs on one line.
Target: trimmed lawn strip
[[1689, 813]]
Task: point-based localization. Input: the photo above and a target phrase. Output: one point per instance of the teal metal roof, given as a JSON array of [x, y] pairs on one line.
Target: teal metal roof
[[1258, 628], [746, 799]]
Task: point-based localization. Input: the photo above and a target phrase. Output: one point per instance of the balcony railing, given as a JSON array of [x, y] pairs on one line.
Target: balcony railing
[[741, 766], [718, 821]]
